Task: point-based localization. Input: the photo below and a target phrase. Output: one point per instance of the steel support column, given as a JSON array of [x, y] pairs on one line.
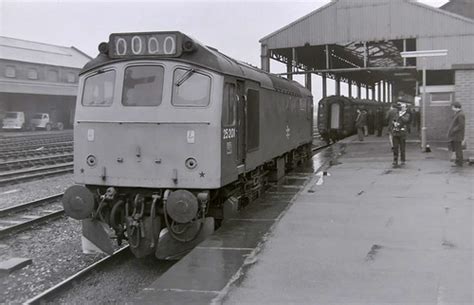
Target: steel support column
[[379, 91], [307, 81], [289, 65], [265, 58], [359, 93], [367, 91], [325, 85], [338, 85], [384, 91], [373, 93], [349, 87]]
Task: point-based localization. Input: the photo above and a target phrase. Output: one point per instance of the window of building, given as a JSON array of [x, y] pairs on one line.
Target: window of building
[[10, 71], [441, 98], [143, 86], [229, 105], [71, 77], [99, 89], [53, 75], [191, 88], [32, 73]]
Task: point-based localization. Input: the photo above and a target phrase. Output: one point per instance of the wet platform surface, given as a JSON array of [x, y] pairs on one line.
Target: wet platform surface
[[370, 234], [203, 276]]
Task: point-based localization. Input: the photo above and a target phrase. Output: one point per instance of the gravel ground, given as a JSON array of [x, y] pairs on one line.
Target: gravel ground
[[56, 252], [115, 283], [28, 191]]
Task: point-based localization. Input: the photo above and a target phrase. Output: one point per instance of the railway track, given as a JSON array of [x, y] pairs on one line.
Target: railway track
[[36, 161], [37, 150], [48, 294], [18, 143], [22, 175], [24, 216]]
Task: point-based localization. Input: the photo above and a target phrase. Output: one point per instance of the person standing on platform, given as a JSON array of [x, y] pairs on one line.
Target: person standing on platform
[[389, 118], [359, 124], [365, 121], [456, 133], [399, 134], [378, 121], [371, 121]]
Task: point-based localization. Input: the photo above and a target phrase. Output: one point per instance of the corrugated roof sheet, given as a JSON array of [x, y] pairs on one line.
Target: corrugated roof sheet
[[460, 7], [41, 53], [343, 21]]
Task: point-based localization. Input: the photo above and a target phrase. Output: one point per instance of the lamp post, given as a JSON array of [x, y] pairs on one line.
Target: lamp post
[[423, 55]]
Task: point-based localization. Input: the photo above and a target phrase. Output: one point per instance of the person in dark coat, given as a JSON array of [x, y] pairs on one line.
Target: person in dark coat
[[378, 121], [371, 121], [456, 132], [399, 134], [389, 118], [360, 122]]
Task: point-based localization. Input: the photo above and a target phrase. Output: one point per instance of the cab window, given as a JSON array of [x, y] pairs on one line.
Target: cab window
[[229, 105], [190, 88], [99, 89], [143, 86]]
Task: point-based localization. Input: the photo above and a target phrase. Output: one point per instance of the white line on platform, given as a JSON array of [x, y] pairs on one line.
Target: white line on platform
[[254, 220], [188, 290], [10, 192], [226, 248]]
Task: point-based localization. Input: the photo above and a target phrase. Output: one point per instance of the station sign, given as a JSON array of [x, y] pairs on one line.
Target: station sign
[[150, 44]]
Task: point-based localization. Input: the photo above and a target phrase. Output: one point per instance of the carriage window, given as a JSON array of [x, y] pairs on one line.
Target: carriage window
[[228, 105], [191, 88], [143, 86], [99, 89]]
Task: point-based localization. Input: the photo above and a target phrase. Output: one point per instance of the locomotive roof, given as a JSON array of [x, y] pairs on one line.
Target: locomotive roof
[[210, 58]]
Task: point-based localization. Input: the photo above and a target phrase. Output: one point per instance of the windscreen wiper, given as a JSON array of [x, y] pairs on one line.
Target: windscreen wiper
[[185, 77]]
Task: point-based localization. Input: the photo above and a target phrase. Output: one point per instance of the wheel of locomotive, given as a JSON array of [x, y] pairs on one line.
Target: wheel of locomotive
[[60, 126], [48, 127]]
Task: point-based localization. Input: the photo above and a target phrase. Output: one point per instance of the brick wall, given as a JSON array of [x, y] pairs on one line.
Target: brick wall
[[464, 94]]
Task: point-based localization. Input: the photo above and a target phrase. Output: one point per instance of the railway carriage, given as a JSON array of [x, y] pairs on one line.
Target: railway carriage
[[171, 136], [337, 115]]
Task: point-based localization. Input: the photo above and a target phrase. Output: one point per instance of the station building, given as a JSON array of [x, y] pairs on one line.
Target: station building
[[360, 42], [38, 77]]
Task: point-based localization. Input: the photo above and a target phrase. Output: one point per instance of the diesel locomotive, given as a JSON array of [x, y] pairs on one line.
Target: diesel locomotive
[[337, 115], [171, 137]]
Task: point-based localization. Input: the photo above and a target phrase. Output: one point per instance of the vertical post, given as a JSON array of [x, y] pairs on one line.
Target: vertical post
[[289, 65], [359, 93], [384, 91], [379, 91], [373, 93], [423, 110], [307, 81], [327, 57], [367, 91], [366, 55], [338, 85], [404, 50], [349, 88], [325, 84], [265, 58]]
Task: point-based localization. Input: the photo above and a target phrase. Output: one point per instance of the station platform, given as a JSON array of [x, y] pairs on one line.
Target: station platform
[[364, 233], [371, 234]]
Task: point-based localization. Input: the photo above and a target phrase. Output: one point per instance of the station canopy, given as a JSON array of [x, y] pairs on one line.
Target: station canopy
[[361, 40]]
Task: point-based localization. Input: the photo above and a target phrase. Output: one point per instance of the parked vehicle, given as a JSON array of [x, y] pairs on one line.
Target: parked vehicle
[[14, 120], [43, 121]]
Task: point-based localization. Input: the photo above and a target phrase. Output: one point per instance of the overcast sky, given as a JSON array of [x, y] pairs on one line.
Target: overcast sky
[[233, 27]]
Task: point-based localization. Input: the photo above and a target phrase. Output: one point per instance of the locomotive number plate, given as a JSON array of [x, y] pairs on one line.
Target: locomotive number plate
[[228, 133]]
